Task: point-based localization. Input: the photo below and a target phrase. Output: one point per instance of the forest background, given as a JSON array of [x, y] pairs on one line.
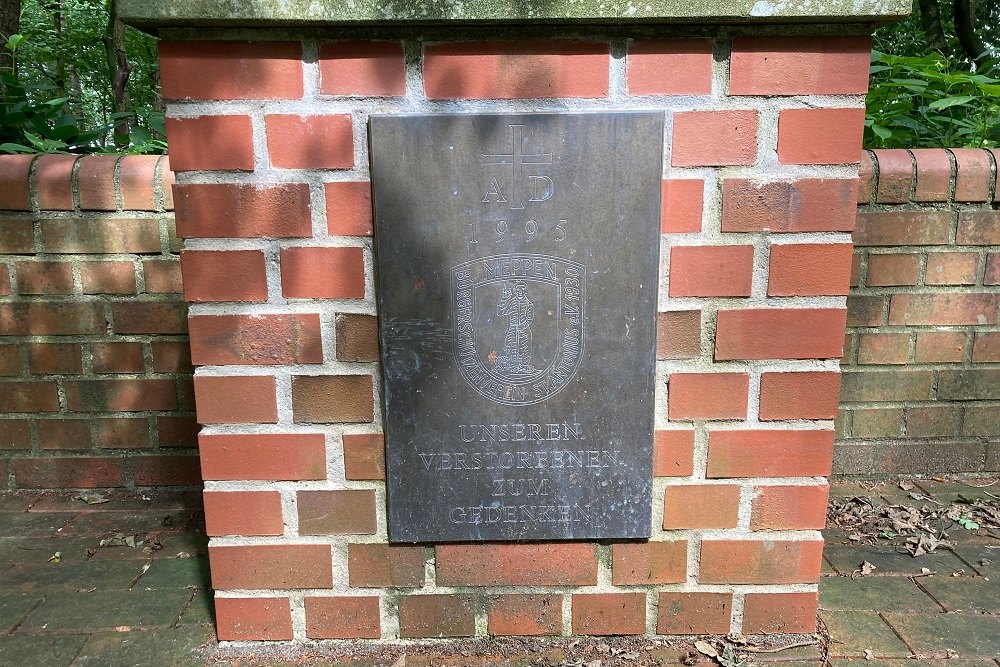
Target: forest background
[[74, 78]]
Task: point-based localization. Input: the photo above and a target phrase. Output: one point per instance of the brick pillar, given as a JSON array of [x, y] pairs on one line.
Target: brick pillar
[[759, 194]]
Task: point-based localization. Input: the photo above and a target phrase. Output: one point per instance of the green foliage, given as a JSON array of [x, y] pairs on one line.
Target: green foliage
[[926, 101], [58, 97]]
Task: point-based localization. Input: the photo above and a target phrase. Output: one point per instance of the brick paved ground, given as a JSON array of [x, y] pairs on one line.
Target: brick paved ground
[[142, 598]]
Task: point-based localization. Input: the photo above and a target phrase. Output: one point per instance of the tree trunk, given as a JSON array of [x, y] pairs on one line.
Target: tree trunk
[[10, 23], [930, 20], [965, 30], [119, 69]]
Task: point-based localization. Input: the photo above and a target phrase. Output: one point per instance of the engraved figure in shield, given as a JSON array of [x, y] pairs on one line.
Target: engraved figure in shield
[[515, 359]]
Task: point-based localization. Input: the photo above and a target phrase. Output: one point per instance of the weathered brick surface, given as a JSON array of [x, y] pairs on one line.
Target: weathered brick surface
[[436, 616], [239, 619], [340, 617], [609, 613], [384, 566], [271, 566], [525, 614], [517, 564], [917, 375], [693, 613], [649, 563]]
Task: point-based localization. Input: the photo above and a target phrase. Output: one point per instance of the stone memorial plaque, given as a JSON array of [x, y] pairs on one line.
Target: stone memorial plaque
[[517, 260]]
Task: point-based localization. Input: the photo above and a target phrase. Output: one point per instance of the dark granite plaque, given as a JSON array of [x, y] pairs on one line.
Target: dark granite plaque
[[517, 282]]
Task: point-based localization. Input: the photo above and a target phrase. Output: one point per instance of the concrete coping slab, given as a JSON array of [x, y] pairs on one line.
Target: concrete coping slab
[[314, 13]]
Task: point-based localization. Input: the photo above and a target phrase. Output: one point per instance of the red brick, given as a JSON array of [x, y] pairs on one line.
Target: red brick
[[820, 136], [310, 142], [96, 179], [4, 280], [63, 433], [681, 205], [375, 565], [29, 397], [204, 70], [53, 182], [255, 339], [805, 205], [778, 453], [117, 357], [447, 615], [979, 228], [934, 173], [330, 399], [171, 356], [810, 269], [895, 175], [15, 434], [939, 346], [108, 277], [55, 358], [714, 138], [986, 346], [349, 208], [670, 67], [230, 275], [866, 177], [271, 566], [642, 563], [876, 423], [973, 179], [234, 400], [167, 181], [789, 507], [516, 70], [711, 270], [166, 471], [894, 228], [67, 473], [883, 348], [162, 276], [44, 277], [17, 237], [323, 273], [177, 431], [243, 513], [357, 337], [98, 236], [48, 318], [803, 333], [933, 421], [701, 506], [799, 66], [253, 619], [122, 433], [944, 309], [525, 615], [364, 456], [267, 457], [337, 512], [134, 395], [342, 617], [856, 269], [694, 613], [673, 453], [362, 68], [678, 334], [800, 395], [14, 195], [10, 360], [211, 142], [869, 385], [760, 561], [952, 268], [137, 176], [210, 210], [892, 269], [708, 396], [562, 564], [149, 317], [609, 613], [780, 613]]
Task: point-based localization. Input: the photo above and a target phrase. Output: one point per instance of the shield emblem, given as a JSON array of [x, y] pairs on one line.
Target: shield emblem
[[518, 325]]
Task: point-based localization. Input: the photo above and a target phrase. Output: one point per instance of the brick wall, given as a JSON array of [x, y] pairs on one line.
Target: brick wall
[[760, 191], [95, 375], [921, 387]]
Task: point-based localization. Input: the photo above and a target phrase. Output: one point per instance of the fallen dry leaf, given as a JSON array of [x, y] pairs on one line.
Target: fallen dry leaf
[[705, 648], [869, 655]]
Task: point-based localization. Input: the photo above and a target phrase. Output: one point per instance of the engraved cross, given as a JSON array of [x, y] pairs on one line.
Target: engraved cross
[[517, 158]]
